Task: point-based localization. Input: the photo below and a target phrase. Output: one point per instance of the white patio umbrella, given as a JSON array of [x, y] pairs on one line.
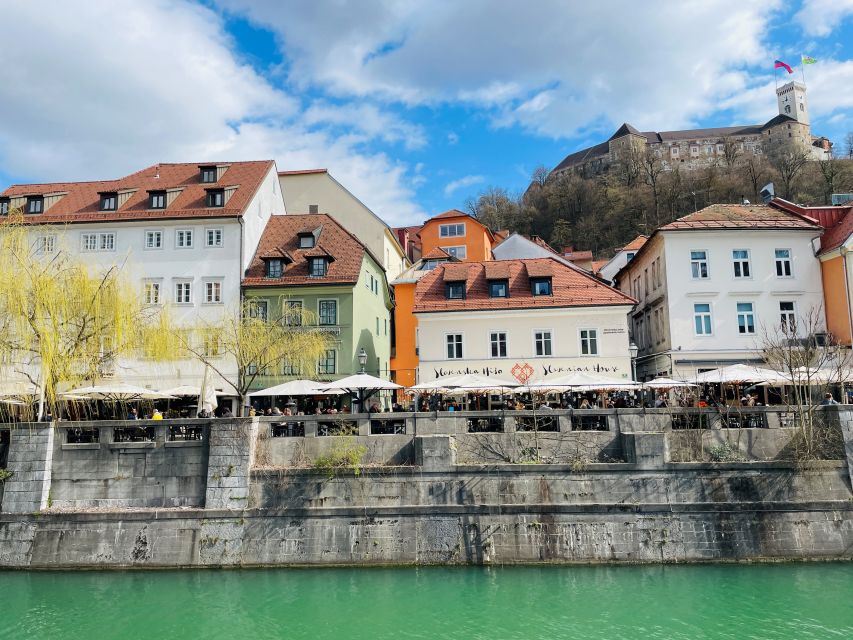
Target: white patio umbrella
[[117, 393], [667, 383], [19, 388], [187, 391], [432, 386], [737, 374], [362, 381], [297, 388], [583, 381], [477, 383]]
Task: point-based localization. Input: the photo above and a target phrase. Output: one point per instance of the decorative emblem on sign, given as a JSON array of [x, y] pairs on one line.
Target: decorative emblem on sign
[[521, 371]]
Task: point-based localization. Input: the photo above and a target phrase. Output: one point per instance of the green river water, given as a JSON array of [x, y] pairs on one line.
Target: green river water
[[795, 601]]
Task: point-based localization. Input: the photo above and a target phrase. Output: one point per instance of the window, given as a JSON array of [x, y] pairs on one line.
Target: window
[[740, 259], [211, 344], [745, 318], [540, 286], [589, 342], [183, 292], [451, 230], [4, 206], [318, 267], [788, 317], [454, 291], [258, 309], [783, 263], [326, 365], [35, 204], [275, 268], [454, 346], [213, 237], [459, 252], [293, 313], [215, 198], [213, 292], [306, 241], [289, 369], [46, 244], [694, 151], [499, 289], [699, 264], [208, 174], [702, 319], [158, 200], [106, 241], [674, 151], [184, 238], [313, 208], [328, 312], [630, 256], [153, 239], [97, 241], [497, 341], [151, 292], [377, 326], [88, 241], [109, 201], [542, 343]]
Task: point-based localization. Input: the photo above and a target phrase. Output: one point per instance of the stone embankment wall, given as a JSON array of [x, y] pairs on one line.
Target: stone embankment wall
[[246, 493]]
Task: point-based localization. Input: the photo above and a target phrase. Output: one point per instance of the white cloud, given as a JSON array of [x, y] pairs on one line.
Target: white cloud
[[467, 181], [110, 87], [452, 138], [821, 17]]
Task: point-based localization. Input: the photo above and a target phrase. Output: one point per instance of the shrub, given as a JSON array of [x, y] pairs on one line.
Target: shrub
[[725, 452], [343, 456]]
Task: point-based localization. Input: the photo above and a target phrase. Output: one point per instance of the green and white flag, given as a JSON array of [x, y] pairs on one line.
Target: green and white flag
[[808, 60]]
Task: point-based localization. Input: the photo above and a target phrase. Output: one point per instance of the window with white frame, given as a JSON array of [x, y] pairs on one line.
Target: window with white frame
[[184, 238], [46, 244], [326, 365], [213, 237], [88, 241], [740, 260], [213, 292], [293, 313], [151, 292], [258, 309], [106, 241], [699, 264], [451, 230], [497, 344], [154, 239], [702, 324], [589, 342], [542, 343], [183, 292], [783, 263], [460, 252], [454, 346], [788, 317], [212, 344], [328, 312], [745, 318]]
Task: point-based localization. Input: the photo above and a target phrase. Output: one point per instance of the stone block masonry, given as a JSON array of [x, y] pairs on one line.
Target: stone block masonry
[[232, 455], [30, 463]]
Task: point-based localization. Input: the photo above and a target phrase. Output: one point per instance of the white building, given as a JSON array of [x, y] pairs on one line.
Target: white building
[[316, 191], [623, 256], [713, 284], [500, 317], [185, 234]]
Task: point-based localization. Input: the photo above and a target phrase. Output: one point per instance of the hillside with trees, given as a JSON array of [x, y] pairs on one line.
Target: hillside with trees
[[636, 195]]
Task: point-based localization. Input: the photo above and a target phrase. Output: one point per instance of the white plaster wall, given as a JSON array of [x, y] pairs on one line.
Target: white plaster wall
[[267, 201]]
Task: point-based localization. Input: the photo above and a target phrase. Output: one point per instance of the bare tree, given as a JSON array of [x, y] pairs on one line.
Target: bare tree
[[539, 176], [732, 151], [831, 169], [789, 164], [848, 143], [561, 236], [652, 168], [756, 170], [495, 208]]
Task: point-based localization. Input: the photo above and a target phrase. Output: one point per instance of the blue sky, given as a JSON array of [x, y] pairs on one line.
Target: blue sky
[[413, 106]]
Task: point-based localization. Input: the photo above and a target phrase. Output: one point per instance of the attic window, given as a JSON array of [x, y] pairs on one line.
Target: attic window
[[208, 174], [306, 241], [35, 204], [313, 208], [215, 198], [318, 267], [158, 200], [454, 290], [498, 288], [4, 206], [540, 286], [275, 268], [109, 201]]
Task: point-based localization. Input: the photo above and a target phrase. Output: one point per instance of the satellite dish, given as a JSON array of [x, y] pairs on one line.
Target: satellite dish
[[768, 192]]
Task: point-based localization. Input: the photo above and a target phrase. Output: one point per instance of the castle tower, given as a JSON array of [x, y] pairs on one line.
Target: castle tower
[[792, 101]]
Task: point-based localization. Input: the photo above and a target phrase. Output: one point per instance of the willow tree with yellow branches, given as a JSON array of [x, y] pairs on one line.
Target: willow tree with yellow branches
[[259, 345], [63, 321]]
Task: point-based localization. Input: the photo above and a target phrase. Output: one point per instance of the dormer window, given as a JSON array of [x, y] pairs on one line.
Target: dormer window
[[4, 206], [318, 267], [498, 288], [540, 286], [454, 290], [157, 200], [306, 241], [215, 198], [208, 175], [275, 268], [35, 204], [109, 201]]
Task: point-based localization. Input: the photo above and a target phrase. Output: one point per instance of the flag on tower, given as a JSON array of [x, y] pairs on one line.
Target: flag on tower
[[808, 60], [781, 65]]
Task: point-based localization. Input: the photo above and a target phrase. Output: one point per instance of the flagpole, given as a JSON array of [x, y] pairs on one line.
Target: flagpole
[[803, 69], [776, 76]]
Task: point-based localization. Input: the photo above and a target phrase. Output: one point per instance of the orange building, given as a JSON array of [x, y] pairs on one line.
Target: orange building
[[459, 234]]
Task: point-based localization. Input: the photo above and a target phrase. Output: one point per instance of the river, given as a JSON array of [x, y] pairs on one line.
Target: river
[[780, 601]]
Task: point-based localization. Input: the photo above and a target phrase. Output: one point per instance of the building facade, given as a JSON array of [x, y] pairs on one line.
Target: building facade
[[713, 285], [312, 262], [537, 318], [458, 234]]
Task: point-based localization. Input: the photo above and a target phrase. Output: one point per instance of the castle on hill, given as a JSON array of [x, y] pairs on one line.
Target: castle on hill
[[699, 148]]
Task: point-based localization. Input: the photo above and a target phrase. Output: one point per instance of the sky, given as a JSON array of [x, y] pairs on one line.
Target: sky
[[415, 107]]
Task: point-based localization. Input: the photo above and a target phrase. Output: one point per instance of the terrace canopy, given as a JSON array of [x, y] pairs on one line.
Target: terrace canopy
[[296, 388], [582, 381], [739, 374], [117, 393]]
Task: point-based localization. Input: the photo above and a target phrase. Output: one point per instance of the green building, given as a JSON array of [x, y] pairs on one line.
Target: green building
[[310, 261]]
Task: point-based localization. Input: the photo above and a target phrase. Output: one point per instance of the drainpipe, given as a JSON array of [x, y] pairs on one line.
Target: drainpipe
[[844, 252]]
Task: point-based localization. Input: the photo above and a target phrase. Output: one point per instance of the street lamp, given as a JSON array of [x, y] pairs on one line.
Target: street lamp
[[633, 350], [362, 359]]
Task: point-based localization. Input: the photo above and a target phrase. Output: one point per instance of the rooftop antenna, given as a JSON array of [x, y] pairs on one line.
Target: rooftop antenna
[[767, 193]]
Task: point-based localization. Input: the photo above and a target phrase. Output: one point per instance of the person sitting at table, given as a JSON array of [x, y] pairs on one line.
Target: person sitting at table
[[585, 404], [157, 415], [276, 411], [133, 415], [287, 411]]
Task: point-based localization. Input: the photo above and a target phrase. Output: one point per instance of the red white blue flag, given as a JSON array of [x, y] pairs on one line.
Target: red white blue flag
[[781, 65]]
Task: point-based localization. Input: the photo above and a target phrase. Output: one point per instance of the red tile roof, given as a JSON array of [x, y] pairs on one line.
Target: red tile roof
[[571, 288], [578, 256], [281, 236], [436, 253], [837, 235], [453, 213], [635, 244], [497, 270], [82, 201], [455, 271], [740, 216], [597, 264]]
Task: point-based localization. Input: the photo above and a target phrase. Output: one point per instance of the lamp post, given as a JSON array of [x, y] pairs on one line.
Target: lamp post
[[633, 350], [362, 362]]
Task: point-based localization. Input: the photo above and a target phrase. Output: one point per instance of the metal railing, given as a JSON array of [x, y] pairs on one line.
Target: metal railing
[[82, 435], [290, 429], [388, 427], [487, 424], [537, 423]]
